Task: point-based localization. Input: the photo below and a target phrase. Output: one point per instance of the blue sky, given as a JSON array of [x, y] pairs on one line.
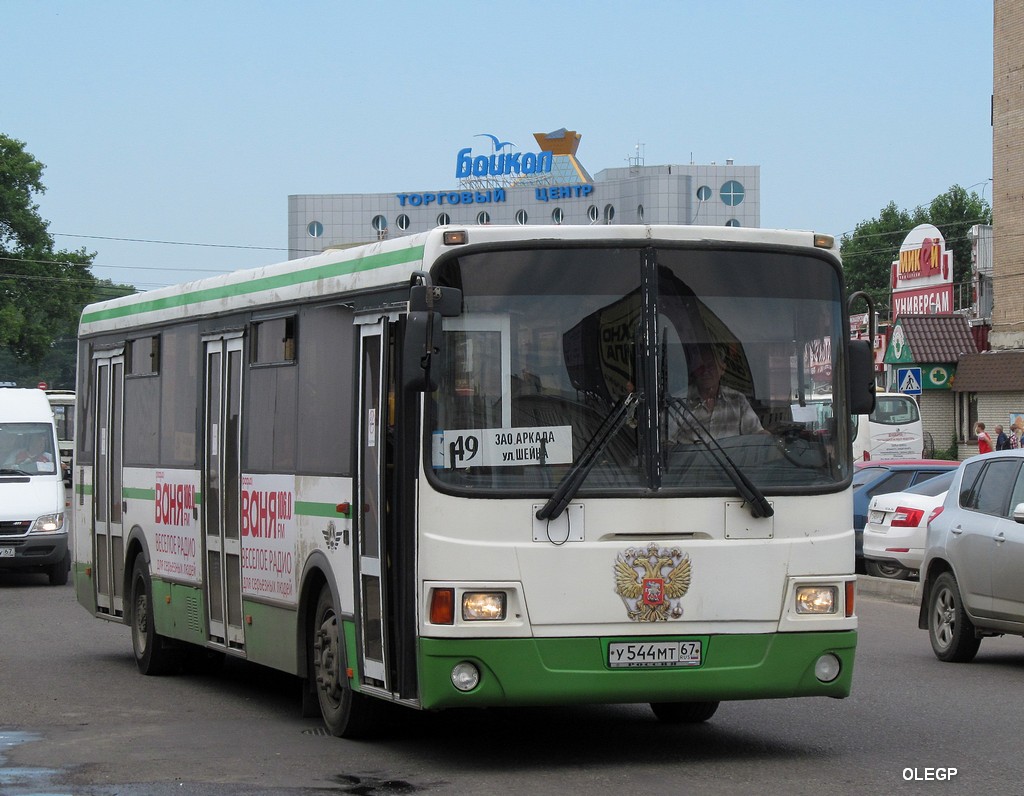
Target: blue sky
[[191, 122]]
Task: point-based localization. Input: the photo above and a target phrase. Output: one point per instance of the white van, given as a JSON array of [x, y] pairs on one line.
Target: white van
[[33, 535], [893, 431]]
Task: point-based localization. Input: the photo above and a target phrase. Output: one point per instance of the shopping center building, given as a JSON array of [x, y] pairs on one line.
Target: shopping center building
[[491, 182]]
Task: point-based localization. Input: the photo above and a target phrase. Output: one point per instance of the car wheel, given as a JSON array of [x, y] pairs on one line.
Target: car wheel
[[154, 654], [949, 628], [684, 712], [885, 569], [346, 713], [58, 573]]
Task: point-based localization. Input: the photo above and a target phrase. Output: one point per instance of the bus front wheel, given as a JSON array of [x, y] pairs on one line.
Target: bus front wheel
[[684, 712], [346, 714], [154, 654]]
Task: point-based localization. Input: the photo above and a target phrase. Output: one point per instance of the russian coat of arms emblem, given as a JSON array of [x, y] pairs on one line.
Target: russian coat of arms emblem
[[331, 536], [652, 582]]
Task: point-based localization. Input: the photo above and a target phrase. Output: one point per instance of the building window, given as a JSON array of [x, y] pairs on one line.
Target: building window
[[732, 222], [557, 216], [609, 213], [483, 217], [521, 218], [380, 224], [443, 219], [703, 193], [732, 193], [640, 213], [403, 222], [315, 229], [592, 213]]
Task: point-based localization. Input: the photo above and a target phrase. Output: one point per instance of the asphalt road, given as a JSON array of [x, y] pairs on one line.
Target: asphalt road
[[77, 718]]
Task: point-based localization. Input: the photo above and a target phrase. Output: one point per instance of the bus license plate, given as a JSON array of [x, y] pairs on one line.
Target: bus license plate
[[6, 552], [622, 655]]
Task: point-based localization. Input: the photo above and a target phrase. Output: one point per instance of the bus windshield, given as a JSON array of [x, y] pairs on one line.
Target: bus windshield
[[665, 368]]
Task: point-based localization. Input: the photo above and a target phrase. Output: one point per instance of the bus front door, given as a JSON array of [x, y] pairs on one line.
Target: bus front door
[[108, 501], [370, 504], [220, 499]]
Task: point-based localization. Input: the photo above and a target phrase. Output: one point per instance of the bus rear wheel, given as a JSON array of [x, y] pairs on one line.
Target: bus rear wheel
[[684, 712], [154, 654], [346, 714]]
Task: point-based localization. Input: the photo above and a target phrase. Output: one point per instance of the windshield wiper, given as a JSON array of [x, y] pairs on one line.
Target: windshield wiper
[[14, 471], [573, 480], [758, 503]]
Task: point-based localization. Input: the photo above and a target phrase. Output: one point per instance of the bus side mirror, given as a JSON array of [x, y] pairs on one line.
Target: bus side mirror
[[421, 351], [424, 339], [446, 301], [862, 377]]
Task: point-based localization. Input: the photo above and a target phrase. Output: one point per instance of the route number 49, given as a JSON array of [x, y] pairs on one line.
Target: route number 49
[[463, 449]]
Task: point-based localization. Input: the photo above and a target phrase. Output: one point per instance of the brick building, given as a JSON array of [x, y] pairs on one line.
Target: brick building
[[989, 386]]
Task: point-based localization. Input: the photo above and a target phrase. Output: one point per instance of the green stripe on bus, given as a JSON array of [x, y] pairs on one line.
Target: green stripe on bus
[[256, 285], [307, 508], [150, 494]]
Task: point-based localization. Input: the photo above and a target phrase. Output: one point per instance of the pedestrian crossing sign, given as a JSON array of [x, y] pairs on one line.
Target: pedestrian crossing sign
[[909, 380]]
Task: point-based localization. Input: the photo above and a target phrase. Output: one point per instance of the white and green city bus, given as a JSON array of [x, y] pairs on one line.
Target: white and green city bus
[[440, 471]]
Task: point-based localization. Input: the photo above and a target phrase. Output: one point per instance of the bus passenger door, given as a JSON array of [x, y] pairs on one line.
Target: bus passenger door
[[220, 484], [108, 504], [370, 504]]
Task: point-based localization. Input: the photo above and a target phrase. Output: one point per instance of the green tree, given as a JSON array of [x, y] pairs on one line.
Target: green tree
[[868, 253], [954, 213], [42, 291]]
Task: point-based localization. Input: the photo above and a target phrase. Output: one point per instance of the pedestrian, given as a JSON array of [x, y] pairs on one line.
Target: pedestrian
[[984, 440], [1002, 440]]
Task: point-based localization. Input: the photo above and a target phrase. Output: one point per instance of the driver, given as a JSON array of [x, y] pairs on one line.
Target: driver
[[723, 411], [33, 457]]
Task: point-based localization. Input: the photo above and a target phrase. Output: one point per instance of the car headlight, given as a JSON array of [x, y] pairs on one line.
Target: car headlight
[[483, 606], [48, 523], [816, 599]]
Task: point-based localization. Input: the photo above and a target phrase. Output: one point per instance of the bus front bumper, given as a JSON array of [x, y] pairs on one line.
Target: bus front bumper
[[560, 671]]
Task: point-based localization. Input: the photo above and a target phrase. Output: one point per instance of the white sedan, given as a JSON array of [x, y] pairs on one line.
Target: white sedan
[[894, 536]]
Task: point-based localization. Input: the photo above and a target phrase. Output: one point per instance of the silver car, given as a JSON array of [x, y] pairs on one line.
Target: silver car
[[972, 584]]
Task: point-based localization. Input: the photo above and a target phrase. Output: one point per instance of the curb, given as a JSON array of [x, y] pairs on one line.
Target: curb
[[898, 591]]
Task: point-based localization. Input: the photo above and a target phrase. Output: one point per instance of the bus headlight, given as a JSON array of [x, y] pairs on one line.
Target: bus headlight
[[816, 599], [483, 606], [48, 523]]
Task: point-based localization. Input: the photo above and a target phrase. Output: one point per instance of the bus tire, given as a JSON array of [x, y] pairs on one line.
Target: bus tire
[[346, 714], [684, 712], [950, 630], [154, 654]]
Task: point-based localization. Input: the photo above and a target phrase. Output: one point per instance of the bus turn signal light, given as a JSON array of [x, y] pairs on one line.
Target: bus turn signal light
[[442, 606]]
